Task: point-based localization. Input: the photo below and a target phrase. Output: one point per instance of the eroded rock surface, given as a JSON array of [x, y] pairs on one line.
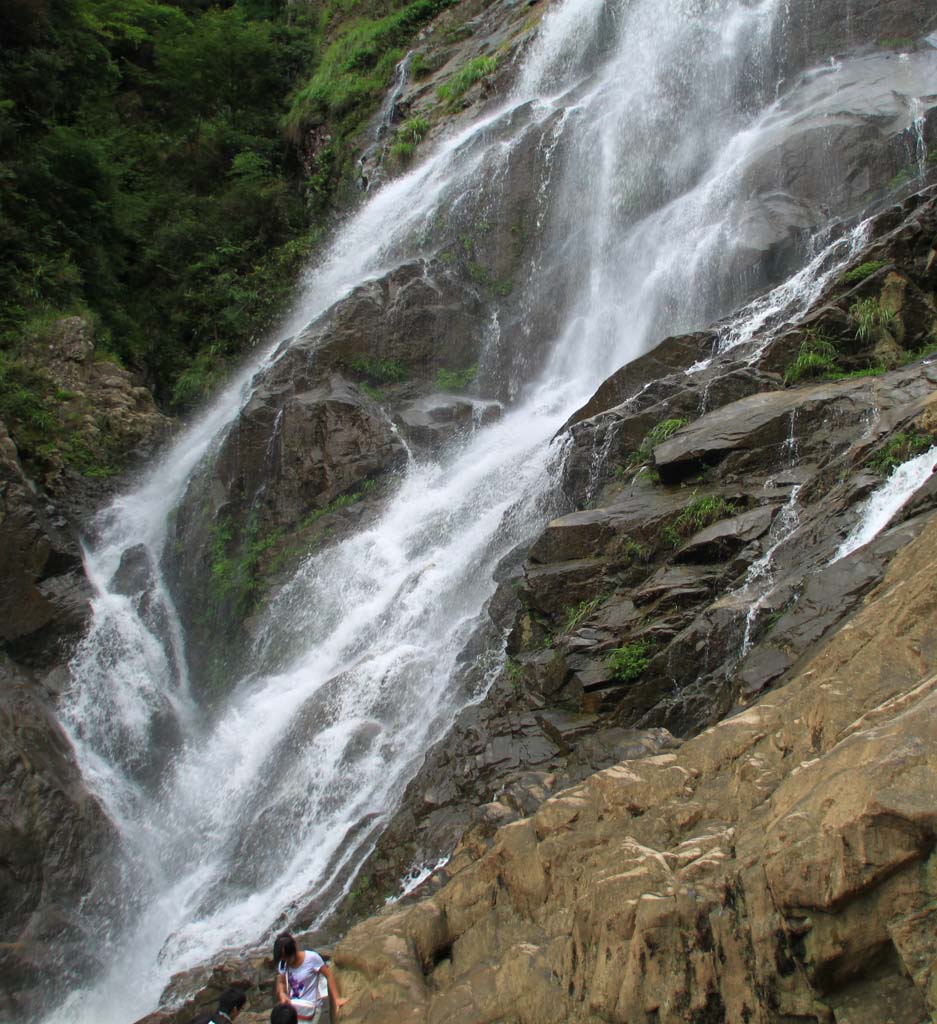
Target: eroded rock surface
[[778, 866], [699, 570]]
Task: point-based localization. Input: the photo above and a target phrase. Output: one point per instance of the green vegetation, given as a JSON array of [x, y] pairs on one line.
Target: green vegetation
[[576, 613], [863, 271], [456, 380], [899, 449], [869, 371], [700, 513], [919, 353], [50, 422], [818, 357], [645, 451], [232, 566], [360, 46], [342, 501], [629, 662], [143, 178], [869, 314], [380, 371], [167, 167], [372, 392], [896, 44], [633, 550], [408, 137], [815, 358], [420, 66], [900, 179], [235, 557], [465, 78]]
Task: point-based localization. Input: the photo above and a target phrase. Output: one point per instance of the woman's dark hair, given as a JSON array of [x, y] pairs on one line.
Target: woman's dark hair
[[284, 948], [284, 1013], [231, 999]]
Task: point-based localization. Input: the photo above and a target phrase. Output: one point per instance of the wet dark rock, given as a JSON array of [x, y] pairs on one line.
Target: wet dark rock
[[635, 516], [671, 355], [44, 595], [287, 456], [727, 537], [709, 619], [196, 991], [553, 588], [55, 838], [814, 30], [676, 584], [433, 420]]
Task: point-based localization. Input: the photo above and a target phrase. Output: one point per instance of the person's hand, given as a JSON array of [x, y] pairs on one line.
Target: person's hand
[[339, 1003]]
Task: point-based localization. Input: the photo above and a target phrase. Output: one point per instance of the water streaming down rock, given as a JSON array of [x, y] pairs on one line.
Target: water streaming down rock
[[274, 793], [759, 578], [883, 504]]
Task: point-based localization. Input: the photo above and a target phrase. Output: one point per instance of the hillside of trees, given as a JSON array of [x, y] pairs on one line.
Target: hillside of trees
[[166, 168]]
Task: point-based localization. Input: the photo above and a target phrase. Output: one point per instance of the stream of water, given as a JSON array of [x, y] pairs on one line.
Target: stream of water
[[649, 114]]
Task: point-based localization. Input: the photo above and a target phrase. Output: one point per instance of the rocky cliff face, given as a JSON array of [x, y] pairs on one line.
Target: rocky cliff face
[[698, 789], [778, 866], [55, 839], [703, 566], [620, 852]]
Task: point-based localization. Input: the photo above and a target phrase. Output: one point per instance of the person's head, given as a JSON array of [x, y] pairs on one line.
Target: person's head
[[284, 1013], [284, 948], [231, 1001]]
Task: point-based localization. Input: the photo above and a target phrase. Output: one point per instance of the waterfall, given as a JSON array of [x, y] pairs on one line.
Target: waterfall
[[648, 115], [882, 505]]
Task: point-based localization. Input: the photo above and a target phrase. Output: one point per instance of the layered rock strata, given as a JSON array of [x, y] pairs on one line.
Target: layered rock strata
[[704, 567], [779, 866]]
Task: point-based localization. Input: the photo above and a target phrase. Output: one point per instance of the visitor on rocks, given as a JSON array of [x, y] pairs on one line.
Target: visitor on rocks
[[283, 1013], [229, 1006], [298, 974]]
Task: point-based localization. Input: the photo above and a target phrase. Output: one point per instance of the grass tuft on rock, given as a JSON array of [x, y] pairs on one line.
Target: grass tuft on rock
[[815, 358], [628, 663], [863, 271], [899, 449], [465, 78]]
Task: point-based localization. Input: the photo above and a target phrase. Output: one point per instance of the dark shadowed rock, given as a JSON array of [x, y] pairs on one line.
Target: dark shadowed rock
[[44, 596], [728, 536], [55, 839], [288, 455]]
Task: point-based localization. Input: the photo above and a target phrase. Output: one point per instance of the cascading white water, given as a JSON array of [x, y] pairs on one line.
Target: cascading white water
[[648, 116], [883, 504]]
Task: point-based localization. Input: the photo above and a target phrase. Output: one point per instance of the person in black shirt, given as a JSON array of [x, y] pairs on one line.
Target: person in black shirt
[[229, 1006]]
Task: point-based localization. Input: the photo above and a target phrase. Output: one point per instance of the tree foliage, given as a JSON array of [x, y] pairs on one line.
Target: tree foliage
[[145, 177]]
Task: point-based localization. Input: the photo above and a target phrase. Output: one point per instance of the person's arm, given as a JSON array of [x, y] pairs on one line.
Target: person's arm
[[334, 997], [281, 993]]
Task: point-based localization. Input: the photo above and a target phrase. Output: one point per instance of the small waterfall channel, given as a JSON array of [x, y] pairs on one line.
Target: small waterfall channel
[[649, 114], [886, 501]]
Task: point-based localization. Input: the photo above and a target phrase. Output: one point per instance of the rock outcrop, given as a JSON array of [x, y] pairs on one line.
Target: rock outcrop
[[44, 597], [778, 866], [703, 566], [54, 835], [55, 838]]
